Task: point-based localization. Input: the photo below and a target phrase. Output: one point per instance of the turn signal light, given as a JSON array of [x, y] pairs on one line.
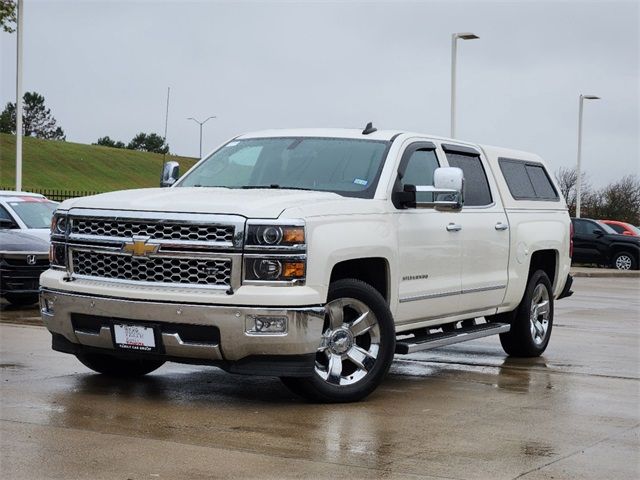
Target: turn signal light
[[293, 235], [293, 270]]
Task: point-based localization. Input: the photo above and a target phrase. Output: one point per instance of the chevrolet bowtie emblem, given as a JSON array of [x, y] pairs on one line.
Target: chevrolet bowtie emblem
[[140, 247]]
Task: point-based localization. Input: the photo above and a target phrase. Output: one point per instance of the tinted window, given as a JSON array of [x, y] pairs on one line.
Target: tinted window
[[4, 214], [527, 181], [581, 227], [476, 186], [419, 171], [617, 228]]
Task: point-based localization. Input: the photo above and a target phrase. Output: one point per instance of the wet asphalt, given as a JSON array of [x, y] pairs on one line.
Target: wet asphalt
[[462, 412]]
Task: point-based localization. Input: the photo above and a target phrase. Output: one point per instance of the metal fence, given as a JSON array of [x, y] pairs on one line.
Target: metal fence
[[57, 195]]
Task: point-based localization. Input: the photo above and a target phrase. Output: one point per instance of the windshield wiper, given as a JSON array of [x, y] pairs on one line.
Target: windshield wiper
[[273, 186]]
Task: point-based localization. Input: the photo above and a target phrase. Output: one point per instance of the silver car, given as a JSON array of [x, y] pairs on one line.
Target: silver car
[[28, 212]]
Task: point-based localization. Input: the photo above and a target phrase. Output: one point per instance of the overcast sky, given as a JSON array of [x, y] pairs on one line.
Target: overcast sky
[[104, 68]]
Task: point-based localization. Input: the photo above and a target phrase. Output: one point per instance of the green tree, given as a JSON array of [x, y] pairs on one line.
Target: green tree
[[106, 141], [8, 15], [148, 142], [37, 119]]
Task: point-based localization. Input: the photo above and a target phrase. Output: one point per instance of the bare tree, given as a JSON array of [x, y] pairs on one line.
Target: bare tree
[[567, 179], [619, 201]]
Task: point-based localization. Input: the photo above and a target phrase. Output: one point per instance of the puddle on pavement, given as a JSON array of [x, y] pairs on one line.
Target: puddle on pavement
[[536, 449]]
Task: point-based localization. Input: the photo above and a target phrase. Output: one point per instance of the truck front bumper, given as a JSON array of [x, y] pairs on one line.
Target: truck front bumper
[[189, 333]]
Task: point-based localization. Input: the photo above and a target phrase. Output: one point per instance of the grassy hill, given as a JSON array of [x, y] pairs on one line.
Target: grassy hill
[[75, 166]]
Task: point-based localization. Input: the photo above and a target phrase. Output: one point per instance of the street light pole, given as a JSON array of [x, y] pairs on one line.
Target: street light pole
[[578, 172], [201, 124], [454, 52], [19, 28]]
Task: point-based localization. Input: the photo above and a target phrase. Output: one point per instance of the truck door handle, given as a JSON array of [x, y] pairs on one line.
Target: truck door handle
[[454, 227], [501, 226]]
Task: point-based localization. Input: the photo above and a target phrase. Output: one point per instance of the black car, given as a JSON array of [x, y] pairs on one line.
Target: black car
[[23, 258], [596, 242]]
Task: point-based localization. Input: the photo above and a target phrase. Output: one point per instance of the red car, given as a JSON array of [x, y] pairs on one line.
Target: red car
[[623, 228]]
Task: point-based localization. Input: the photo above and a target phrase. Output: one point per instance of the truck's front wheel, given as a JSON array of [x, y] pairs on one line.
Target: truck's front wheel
[[531, 323], [356, 349], [118, 367]]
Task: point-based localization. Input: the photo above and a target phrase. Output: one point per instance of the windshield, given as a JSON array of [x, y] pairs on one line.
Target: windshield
[[606, 227], [348, 167], [36, 213]]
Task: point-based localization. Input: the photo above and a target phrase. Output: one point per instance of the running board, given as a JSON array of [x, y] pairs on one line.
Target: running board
[[435, 340]]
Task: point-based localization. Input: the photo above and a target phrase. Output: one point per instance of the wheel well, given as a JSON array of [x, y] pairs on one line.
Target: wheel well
[[616, 249], [374, 271], [544, 260]]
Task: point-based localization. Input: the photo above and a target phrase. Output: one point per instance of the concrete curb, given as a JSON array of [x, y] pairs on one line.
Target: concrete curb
[[604, 273]]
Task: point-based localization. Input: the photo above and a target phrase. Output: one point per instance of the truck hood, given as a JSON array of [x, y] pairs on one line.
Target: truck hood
[[251, 203]]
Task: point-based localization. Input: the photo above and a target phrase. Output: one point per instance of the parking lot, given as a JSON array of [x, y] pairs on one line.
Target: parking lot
[[465, 411]]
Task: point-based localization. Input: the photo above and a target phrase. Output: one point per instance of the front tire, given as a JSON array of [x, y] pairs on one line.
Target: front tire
[[118, 367], [624, 261], [532, 322], [356, 349]]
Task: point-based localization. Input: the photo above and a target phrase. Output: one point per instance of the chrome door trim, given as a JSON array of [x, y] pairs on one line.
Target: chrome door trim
[[447, 294]]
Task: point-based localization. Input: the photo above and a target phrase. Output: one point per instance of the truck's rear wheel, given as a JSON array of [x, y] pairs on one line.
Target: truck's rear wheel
[[531, 323], [118, 367], [357, 346]]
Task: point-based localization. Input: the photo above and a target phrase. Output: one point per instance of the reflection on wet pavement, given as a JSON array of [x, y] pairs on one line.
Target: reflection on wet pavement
[[465, 411]]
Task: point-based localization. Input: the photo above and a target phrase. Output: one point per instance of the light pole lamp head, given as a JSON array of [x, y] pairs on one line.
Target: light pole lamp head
[[466, 36], [590, 97]]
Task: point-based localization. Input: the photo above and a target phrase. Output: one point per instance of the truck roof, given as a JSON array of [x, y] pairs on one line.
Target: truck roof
[[384, 135]]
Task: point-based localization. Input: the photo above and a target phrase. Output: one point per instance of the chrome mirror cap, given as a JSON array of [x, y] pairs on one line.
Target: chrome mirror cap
[[170, 173]]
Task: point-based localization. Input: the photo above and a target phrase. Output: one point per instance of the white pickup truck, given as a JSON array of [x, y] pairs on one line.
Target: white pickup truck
[[314, 256]]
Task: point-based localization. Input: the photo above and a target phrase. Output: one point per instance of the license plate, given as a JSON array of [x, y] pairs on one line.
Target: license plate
[[135, 337]]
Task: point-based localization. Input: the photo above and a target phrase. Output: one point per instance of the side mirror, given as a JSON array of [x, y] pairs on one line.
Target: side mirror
[[7, 223], [597, 232], [447, 191], [170, 173]]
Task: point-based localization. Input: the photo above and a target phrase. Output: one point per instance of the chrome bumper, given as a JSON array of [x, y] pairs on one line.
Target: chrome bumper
[[302, 337]]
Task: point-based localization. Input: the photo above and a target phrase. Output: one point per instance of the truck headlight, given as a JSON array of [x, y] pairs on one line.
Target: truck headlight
[[274, 269], [59, 224], [275, 235], [57, 255]]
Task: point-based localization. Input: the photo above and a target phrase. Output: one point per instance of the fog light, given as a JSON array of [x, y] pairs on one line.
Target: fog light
[[266, 324], [47, 304]]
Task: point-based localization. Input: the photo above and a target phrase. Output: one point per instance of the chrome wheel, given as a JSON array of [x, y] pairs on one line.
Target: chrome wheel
[[623, 262], [350, 342], [540, 313]]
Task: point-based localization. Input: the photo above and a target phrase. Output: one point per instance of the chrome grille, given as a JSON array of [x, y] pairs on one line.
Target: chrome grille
[[154, 230], [211, 272]]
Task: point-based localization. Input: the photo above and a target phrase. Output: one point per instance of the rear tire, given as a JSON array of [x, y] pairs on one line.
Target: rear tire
[[532, 321], [21, 299], [357, 346], [118, 367], [624, 261]]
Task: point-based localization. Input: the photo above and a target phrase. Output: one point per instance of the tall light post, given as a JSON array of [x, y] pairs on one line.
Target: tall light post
[[19, 28], [201, 124], [454, 48], [578, 173]]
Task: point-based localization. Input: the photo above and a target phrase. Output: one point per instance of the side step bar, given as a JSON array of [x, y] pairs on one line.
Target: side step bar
[[435, 340]]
